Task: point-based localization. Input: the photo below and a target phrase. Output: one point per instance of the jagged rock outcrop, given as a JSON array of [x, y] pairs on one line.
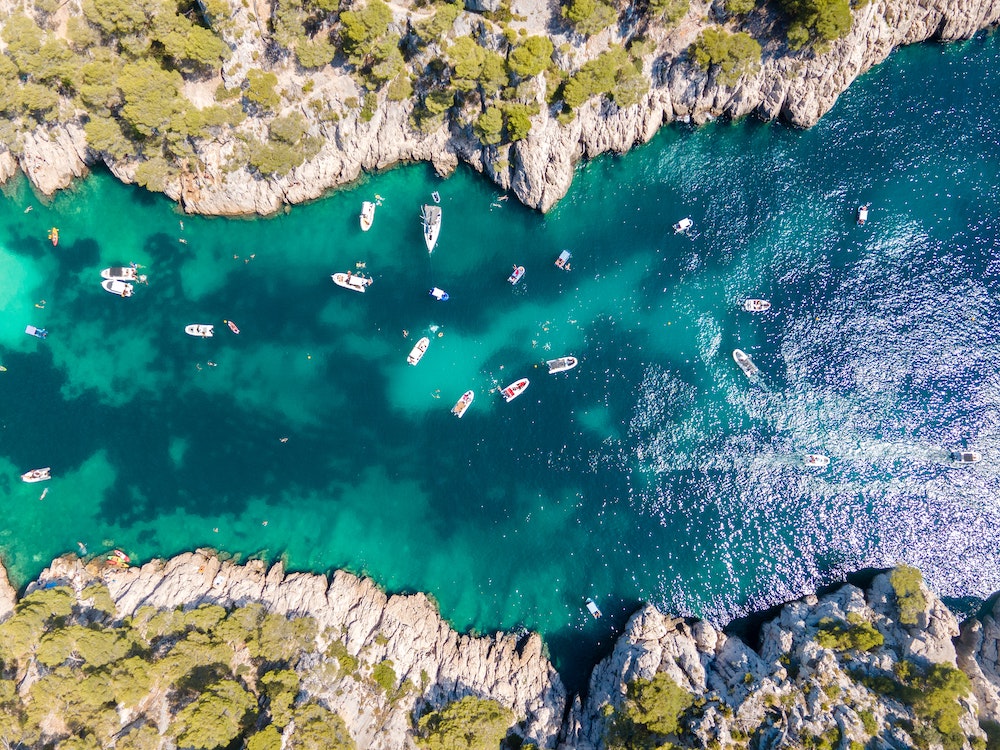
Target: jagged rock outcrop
[[799, 87]]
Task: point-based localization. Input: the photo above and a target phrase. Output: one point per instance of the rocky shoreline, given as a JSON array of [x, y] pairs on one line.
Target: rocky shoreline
[[826, 666], [798, 87]]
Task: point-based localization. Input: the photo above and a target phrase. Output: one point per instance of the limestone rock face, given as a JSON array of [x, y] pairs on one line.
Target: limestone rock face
[[798, 87]]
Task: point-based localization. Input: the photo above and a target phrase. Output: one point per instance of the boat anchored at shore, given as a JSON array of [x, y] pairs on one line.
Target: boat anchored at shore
[[351, 281], [746, 364], [200, 330], [431, 216], [816, 459], [463, 403], [561, 364], [118, 287], [756, 305], [367, 215], [37, 475], [516, 274], [514, 390], [418, 351]]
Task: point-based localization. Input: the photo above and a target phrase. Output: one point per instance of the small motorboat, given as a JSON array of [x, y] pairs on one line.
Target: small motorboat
[[119, 555], [36, 475], [436, 196], [561, 364], [431, 216], [463, 403], [123, 273], [592, 608], [367, 215], [863, 214], [351, 281], [756, 305], [54, 236], [514, 390], [439, 294], [966, 457], [516, 274], [563, 260], [38, 333], [683, 225], [117, 287], [746, 364], [232, 326], [816, 459], [418, 351], [200, 330]]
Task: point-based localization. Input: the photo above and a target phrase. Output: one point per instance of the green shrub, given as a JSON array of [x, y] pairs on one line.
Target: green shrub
[[868, 722], [385, 676], [612, 73], [216, 717], [735, 55], [822, 20], [438, 26], [489, 126], [400, 89], [651, 714], [840, 636], [740, 7], [317, 728], [261, 89], [669, 11], [589, 16], [531, 56], [470, 724], [910, 597], [361, 29]]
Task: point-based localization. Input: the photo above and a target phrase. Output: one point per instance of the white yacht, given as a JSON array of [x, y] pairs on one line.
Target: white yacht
[[418, 351], [561, 364], [746, 364], [966, 457], [200, 330], [351, 281], [117, 287], [367, 215], [757, 305], [816, 459], [463, 403], [431, 216], [124, 273]]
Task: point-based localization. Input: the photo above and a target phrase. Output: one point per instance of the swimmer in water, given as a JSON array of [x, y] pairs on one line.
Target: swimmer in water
[[83, 548]]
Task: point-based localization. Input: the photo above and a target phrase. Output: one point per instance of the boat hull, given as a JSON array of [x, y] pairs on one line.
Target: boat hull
[[200, 330], [367, 215], [418, 351], [816, 460], [462, 405], [36, 475], [121, 273], [117, 287], [514, 390], [439, 294], [756, 305], [516, 275], [431, 216], [351, 281], [746, 364], [561, 364]]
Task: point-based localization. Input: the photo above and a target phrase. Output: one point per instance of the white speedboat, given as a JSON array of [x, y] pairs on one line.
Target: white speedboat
[[746, 364], [124, 273], [463, 403], [514, 390], [756, 305], [418, 351], [439, 294], [200, 330], [561, 364], [36, 475], [683, 225], [592, 608], [431, 216], [351, 281], [367, 215], [966, 457], [563, 260], [816, 459], [117, 287], [863, 214], [516, 275]]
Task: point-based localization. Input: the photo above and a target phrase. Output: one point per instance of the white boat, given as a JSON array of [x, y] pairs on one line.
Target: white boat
[[516, 275], [36, 475], [592, 608], [124, 273], [439, 294], [563, 260], [463, 403], [436, 196], [966, 457], [746, 364], [351, 281], [201, 330], [431, 216], [38, 333], [514, 390], [683, 225], [117, 287], [816, 459], [561, 364], [418, 350], [367, 215], [863, 214], [756, 305]]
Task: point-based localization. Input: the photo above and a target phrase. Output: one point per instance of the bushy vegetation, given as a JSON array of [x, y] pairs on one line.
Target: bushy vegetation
[[816, 21], [910, 597], [614, 74], [857, 634], [670, 11], [651, 714], [468, 724], [588, 17], [734, 55], [226, 676]]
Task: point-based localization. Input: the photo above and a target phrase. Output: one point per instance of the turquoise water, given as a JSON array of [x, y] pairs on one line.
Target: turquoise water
[[655, 470]]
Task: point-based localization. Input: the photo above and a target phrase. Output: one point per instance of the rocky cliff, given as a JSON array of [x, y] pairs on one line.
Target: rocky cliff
[[876, 668], [798, 87]]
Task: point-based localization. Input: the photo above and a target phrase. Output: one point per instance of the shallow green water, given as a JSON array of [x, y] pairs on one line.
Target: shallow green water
[[653, 471]]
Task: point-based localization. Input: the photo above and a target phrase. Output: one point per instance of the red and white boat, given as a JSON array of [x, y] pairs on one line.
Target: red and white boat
[[232, 326], [756, 305], [514, 390], [516, 275], [418, 351], [463, 403], [816, 459]]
